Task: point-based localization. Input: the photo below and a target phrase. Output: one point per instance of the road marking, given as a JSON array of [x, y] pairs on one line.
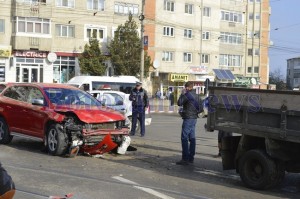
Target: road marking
[[124, 180], [153, 192], [147, 190]]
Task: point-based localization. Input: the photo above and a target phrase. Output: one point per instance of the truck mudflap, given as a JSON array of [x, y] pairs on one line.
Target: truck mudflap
[[104, 146]]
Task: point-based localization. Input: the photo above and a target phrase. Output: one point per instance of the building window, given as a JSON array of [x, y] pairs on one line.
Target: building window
[[64, 30], [188, 33], [249, 70], [95, 5], [231, 38], [168, 56], [251, 16], [169, 5], [257, 1], [126, 8], [32, 25], [205, 35], [251, 1], [256, 51], [187, 57], [231, 16], [205, 59], [189, 8], [256, 69], [230, 60], [65, 3], [206, 11], [2, 25], [250, 52], [63, 69], [169, 31], [257, 16], [96, 33], [33, 1]]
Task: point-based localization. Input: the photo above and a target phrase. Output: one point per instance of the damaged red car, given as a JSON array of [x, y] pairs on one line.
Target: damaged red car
[[65, 118]]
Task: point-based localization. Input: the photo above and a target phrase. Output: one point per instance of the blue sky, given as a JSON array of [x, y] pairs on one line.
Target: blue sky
[[285, 33]]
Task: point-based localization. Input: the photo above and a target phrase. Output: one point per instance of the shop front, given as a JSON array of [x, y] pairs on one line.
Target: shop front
[[29, 66], [65, 67], [5, 53], [41, 66], [201, 76]]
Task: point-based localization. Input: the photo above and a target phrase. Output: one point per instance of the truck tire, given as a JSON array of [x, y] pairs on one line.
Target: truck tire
[[258, 170], [280, 173], [5, 137], [57, 141]]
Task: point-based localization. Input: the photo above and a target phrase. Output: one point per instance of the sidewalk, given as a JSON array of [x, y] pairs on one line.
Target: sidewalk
[[162, 106]]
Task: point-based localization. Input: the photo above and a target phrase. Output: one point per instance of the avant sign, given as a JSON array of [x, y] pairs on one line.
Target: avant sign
[[179, 78]]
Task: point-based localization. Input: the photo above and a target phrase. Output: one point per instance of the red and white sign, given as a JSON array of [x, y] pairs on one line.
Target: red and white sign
[[32, 54], [198, 69]]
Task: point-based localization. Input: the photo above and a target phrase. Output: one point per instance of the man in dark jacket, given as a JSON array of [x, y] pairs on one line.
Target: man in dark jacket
[[7, 186], [192, 106], [140, 101]]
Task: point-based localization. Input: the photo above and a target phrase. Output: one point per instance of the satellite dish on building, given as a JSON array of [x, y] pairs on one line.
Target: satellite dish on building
[[253, 81], [156, 64]]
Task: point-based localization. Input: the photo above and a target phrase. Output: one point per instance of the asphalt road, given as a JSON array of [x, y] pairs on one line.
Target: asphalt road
[[149, 172]]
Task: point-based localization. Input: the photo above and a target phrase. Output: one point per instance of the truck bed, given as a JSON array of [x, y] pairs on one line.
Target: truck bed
[[263, 113]]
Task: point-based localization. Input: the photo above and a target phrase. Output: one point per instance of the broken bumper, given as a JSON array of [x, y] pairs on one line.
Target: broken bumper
[[107, 144]]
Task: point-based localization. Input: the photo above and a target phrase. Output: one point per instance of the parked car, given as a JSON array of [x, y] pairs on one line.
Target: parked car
[[65, 118], [119, 101]]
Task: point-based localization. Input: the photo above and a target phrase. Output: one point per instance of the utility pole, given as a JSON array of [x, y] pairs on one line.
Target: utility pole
[[141, 18]]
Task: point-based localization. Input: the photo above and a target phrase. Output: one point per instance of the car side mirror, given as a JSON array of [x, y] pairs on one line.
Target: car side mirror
[[37, 102]]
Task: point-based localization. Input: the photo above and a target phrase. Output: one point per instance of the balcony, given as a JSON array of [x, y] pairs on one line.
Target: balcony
[[28, 42], [35, 8]]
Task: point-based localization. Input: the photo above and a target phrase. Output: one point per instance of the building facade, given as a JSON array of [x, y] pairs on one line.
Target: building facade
[[192, 38], [40, 40], [293, 73]]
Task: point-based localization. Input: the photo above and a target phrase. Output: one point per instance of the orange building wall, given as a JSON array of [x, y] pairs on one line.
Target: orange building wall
[[150, 7], [264, 48]]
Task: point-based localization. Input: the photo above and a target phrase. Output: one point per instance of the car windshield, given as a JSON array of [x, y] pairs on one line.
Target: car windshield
[[111, 99], [64, 96]]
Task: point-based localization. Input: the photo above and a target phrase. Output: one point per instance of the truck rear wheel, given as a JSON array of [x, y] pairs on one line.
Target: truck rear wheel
[[258, 171]]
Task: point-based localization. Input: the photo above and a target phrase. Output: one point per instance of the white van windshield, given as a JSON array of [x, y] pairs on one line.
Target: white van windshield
[[117, 86]]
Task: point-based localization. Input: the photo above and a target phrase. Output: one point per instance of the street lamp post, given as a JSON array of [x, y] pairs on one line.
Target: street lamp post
[[141, 18]]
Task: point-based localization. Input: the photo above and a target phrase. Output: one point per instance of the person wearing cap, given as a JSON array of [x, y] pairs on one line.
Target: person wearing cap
[[140, 101]]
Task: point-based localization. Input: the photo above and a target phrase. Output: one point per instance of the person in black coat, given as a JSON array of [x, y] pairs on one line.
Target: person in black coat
[[7, 186]]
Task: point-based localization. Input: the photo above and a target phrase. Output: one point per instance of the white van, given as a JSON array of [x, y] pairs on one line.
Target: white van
[[117, 83]]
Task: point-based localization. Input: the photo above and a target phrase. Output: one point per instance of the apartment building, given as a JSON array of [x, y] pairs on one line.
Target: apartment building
[[293, 73], [40, 40], [189, 39]]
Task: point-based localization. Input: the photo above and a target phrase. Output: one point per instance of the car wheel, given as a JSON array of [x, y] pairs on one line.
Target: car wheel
[[5, 137], [258, 170], [56, 140]]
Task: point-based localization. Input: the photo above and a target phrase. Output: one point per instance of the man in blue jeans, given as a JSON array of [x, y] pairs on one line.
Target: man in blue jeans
[[191, 106]]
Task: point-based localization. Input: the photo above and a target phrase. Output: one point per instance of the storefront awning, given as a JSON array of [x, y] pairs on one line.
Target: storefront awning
[[224, 74]]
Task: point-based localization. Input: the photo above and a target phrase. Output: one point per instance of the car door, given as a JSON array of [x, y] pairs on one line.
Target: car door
[[36, 111], [13, 102]]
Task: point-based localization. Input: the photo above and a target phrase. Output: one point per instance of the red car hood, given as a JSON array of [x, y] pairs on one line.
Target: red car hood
[[91, 114]]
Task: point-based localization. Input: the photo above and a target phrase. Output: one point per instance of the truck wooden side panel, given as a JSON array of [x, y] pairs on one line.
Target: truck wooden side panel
[[262, 113]]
